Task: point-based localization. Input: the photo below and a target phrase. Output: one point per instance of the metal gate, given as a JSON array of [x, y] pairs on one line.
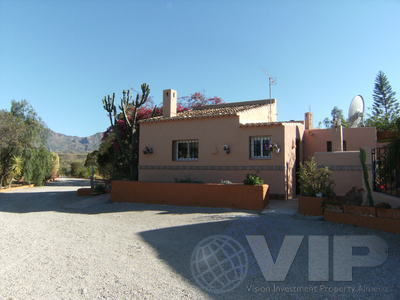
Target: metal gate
[[386, 176]]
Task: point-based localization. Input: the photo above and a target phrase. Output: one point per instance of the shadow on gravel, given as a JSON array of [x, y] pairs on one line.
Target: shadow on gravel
[[39, 199], [175, 246], [69, 202]]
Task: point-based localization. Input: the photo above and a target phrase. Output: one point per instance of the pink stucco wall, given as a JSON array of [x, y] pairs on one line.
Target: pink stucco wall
[[315, 139], [293, 132], [346, 169], [213, 164]]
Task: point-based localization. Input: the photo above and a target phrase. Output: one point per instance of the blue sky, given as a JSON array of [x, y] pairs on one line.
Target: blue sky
[[64, 56]]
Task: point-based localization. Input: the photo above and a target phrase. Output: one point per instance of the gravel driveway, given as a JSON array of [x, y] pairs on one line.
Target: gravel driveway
[[123, 251]]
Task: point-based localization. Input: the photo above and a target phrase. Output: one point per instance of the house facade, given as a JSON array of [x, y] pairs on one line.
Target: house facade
[[228, 141]]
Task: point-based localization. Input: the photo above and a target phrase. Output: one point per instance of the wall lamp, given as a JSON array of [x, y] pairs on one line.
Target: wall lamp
[[147, 150], [227, 149]]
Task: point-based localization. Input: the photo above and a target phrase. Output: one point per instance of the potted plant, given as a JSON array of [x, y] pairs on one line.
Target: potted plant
[[316, 186], [253, 179]]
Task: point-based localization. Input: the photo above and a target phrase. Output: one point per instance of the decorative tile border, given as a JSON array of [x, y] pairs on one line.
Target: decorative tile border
[[241, 168], [217, 168]]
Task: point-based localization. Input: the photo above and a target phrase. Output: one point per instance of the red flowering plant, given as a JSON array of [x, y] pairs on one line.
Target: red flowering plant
[[198, 99]]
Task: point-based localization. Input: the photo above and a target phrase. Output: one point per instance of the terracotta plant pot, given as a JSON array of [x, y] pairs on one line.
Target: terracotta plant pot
[[389, 213], [311, 206], [368, 211]]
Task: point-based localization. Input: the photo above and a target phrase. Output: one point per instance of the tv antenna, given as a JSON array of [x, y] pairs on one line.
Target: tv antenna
[[271, 82]]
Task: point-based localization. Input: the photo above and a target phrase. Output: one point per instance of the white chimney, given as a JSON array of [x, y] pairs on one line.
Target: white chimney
[[169, 103]]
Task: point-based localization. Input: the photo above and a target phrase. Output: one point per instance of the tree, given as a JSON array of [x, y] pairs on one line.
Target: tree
[[37, 165], [385, 109], [336, 118], [35, 130], [75, 168], [12, 140], [22, 145]]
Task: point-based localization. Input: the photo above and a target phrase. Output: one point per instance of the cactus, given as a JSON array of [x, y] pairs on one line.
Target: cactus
[[108, 105], [128, 111], [363, 158]]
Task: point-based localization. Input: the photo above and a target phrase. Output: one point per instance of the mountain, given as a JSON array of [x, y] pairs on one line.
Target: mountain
[[62, 143]]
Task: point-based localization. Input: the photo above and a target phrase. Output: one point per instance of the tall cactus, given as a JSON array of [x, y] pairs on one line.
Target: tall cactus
[[363, 158], [129, 108], [109, 106]]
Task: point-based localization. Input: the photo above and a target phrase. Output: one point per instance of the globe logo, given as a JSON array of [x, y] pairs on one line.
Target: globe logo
[[219, 264]]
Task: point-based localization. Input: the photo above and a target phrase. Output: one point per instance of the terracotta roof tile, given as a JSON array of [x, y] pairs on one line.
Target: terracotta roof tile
[[218, 110]]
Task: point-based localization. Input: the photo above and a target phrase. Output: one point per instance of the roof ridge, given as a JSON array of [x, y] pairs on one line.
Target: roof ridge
[[232, 104]]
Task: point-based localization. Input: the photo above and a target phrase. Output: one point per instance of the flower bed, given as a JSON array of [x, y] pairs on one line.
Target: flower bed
[[252, 197]]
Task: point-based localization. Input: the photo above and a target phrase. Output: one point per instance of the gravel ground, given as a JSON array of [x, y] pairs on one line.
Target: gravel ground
[[124, 251]]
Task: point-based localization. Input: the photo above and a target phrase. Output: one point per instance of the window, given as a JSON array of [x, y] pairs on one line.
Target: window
[[186, 150], [329, 146], [260, 147]]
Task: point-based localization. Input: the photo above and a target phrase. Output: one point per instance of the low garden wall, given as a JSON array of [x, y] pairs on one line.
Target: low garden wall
[[252, 197], [385, 219], [373, 222]]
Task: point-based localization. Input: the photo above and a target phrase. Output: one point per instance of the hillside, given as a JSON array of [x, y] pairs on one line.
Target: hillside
[[62, 143]]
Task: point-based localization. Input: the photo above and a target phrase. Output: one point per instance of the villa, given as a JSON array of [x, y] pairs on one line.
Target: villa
[[228, 141]]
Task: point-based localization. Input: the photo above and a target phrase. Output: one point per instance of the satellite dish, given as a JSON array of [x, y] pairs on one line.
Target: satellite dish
[[356, 111]]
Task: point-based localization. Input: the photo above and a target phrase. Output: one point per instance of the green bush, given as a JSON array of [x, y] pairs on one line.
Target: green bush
[[37, 165], [252, 179], [315, 180]]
